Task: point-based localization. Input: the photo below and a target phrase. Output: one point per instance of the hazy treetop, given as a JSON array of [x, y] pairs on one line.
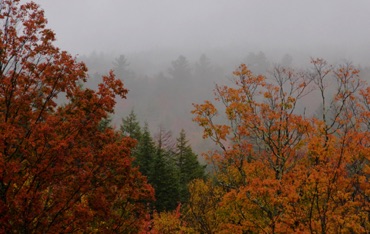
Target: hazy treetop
[[110, 25]]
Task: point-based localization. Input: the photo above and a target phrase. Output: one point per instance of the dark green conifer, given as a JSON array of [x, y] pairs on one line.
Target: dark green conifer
[[188, 165], [131, 126], [145, 152], [165, 176]]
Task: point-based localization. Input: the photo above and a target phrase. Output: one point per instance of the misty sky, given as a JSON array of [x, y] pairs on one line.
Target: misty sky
[[83, 26]]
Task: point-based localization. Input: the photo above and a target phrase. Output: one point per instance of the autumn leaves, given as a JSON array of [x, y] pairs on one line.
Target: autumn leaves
[[60, 171], [282, 169], [278, 168]]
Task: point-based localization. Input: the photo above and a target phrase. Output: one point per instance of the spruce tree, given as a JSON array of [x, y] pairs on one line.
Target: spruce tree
[[188, 165], [165, 176], [145, 153], [131, 126]]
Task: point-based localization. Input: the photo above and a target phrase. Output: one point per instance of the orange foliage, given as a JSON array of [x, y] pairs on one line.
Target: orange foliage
[[167, 222], [280, 171], [60, 171]]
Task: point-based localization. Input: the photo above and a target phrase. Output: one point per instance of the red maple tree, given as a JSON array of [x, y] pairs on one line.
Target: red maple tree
[[60, 169]]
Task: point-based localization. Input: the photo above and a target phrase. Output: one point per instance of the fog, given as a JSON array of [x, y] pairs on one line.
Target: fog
[[278, 26], [153, 35]]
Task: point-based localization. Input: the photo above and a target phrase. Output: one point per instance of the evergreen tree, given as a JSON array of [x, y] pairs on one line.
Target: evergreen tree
[[120, 66], [165, 176], [145, 152], [188, 164], [180, 69], [203, 67], [131, 126]]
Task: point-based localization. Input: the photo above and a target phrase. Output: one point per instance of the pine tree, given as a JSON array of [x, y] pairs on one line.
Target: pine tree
[[188, 165], [145, 152], [120, 66], [165, 176], [131, 126], [180, 69]]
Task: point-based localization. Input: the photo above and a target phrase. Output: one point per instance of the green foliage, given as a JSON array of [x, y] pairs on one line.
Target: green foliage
[[168, 165], [131, 126], [145, 152], [187, 164], [165, 180]]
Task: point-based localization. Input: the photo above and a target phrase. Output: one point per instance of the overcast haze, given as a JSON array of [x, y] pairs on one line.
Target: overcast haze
[[83, 26], [170, 53]]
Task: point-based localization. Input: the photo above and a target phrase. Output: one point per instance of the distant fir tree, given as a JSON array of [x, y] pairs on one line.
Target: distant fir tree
[[131, 127], [180, 69], [203, 67], [188, 165], [120, 66]]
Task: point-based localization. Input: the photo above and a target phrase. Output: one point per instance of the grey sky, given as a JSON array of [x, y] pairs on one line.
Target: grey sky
[[122, 25]]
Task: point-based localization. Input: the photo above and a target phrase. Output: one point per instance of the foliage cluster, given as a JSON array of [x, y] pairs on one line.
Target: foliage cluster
[[279, 170], [168, 165], [63, 169]]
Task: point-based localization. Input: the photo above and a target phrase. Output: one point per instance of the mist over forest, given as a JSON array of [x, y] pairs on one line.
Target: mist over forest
[[163, 86], [171, 54], [196, 116]]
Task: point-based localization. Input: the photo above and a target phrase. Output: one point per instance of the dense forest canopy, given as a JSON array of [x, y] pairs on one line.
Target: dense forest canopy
[[183, 144]]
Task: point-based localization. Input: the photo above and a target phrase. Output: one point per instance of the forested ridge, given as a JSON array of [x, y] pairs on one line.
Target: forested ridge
[[88, 150]]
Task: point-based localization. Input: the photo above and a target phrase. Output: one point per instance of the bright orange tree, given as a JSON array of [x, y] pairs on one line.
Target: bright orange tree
[[283, 170], [60, 169]]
